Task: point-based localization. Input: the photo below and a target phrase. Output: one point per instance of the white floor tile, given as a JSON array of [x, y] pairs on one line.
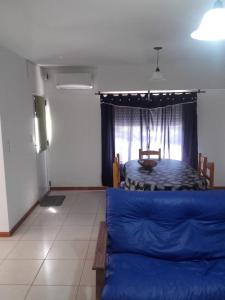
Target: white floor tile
[[64, 193], [55, 210], [13, 292], [71, 196], [80, 219], [51, 293], [19, 271], [85, 206], [37, 210], [102, 206], [68, 204], [97, 195], [94, 233], [49, 219], [88, 277], [89, 196], [6, 247], [40, 233], [76, 232], [17, 235], [94, 197], [66, 235], [68, 250], [30, 250], [60, 272], [30, 219], [91, 250], [86, 293], [99, 218]]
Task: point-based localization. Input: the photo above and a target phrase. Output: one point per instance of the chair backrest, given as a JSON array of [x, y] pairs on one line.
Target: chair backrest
[[167, 225], [209, 173], [116, 171], [202, 162], [149, 153]]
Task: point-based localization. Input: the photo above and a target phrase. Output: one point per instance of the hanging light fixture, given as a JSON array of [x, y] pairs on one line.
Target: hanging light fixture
[[157, 75], [212, 26]]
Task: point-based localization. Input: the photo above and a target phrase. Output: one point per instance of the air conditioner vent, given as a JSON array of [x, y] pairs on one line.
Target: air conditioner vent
[[77, 81]]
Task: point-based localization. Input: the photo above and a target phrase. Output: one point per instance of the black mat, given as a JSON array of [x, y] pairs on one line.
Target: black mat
[[52, 200]]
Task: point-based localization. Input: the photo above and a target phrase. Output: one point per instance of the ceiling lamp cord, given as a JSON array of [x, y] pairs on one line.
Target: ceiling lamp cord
[[218, 4], [157, 75], [157, 68]]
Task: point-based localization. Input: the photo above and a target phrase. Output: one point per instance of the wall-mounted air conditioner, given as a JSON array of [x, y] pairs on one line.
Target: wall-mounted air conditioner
[[77, 81]]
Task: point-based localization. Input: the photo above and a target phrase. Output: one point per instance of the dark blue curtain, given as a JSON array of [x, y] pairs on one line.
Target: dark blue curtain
[[108, 143], [190, 135], [150, 101]]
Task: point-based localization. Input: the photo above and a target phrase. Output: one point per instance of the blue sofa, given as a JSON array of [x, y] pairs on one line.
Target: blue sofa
[[165, 246]]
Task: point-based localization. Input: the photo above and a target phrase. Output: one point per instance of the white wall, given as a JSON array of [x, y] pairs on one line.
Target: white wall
[[75, 153], [211, 129], [179, 75], [4, 220], [17, 119]]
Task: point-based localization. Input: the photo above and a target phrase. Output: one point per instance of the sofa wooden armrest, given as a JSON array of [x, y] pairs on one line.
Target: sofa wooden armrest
[[100, 259]]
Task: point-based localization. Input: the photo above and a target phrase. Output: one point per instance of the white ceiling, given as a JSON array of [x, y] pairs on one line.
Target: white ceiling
[[104, 32]]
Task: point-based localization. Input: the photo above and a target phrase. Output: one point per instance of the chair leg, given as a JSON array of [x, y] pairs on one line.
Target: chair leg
[[100, 279]]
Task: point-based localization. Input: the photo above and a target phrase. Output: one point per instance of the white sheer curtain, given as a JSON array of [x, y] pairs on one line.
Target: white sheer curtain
[[128, 132], [148, 129]]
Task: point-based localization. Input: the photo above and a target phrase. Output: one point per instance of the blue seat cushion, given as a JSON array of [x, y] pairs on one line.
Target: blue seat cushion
[[167, 225], [138, 277]]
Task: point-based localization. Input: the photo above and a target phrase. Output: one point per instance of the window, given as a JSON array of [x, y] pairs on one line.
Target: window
[[148, 129], [40, 123]]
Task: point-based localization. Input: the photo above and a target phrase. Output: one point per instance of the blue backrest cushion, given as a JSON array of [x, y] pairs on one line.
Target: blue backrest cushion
[[167, 225]]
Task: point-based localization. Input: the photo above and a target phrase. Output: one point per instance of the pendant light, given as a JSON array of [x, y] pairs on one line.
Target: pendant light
[[212, 26], [157, 75]]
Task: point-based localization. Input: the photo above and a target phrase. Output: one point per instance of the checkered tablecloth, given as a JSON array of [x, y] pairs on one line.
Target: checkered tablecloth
[[168, 174]]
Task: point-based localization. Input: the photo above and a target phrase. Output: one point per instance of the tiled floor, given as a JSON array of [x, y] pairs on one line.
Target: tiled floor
[[51, 255]]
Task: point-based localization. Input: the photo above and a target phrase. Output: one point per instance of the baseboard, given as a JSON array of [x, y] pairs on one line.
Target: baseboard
[[23, 218], [4, 234], [15, 227], [78, 188]]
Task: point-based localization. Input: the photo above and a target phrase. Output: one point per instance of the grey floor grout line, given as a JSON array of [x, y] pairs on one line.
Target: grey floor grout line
[[16, 242], [76, 288], [79, 285], [32, 283], [60, 227]]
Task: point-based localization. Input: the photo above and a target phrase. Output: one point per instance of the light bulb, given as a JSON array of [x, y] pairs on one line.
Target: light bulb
[[212, 27]]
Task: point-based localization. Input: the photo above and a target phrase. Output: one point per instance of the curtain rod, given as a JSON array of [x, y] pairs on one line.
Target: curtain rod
[[150, 92]]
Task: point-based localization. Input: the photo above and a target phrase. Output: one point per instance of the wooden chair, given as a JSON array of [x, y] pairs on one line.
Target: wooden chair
[[116, 171], [209, 173], [202, 162], [149, 153]]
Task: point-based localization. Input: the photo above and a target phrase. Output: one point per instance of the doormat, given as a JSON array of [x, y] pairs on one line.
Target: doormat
[[52, 200]]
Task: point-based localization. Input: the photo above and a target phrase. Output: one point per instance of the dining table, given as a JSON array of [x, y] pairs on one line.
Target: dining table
[[168, 174]]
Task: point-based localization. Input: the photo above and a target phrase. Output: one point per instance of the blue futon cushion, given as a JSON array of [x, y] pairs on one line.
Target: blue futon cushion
[[132, 277], [167, 225]]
